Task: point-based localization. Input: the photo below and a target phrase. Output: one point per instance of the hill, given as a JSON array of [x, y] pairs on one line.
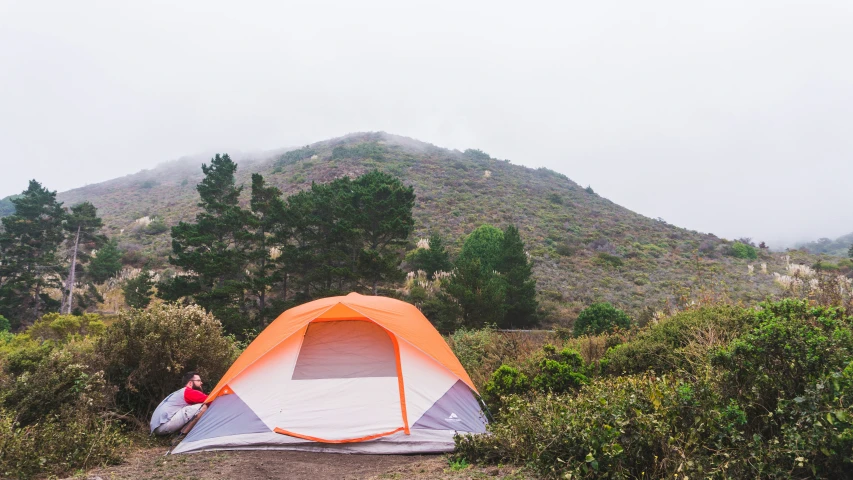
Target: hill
[[839, 247], [585, 248]]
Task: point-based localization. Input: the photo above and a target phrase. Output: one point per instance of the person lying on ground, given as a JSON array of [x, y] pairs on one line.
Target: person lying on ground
[[181, 409]]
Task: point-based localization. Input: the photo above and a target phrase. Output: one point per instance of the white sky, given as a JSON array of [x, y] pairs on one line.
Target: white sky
[[728, 117]]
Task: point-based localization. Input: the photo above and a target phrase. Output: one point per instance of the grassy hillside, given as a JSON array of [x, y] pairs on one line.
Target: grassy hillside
[[585, 247]]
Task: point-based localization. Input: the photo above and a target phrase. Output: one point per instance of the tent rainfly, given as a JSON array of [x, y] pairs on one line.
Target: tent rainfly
[[350, 374]]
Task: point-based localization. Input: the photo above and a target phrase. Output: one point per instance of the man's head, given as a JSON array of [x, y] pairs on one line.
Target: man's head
[[193, 380]]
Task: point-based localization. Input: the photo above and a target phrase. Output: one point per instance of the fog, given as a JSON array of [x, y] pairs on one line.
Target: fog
[[725, 117]]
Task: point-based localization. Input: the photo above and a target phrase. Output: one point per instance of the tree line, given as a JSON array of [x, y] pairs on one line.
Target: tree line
[[44, 247], [247, 262], [247, 265]]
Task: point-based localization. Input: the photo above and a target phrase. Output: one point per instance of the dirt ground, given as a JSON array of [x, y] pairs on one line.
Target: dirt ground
[[151, 463]]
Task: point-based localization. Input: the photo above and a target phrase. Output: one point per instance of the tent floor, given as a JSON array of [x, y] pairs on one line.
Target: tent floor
[[419, 441]]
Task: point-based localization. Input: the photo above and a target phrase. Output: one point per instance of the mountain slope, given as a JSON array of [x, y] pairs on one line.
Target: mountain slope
[[585, 248], [839, 247]]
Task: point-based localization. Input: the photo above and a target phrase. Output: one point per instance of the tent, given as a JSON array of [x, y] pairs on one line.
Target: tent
[[349, 374]]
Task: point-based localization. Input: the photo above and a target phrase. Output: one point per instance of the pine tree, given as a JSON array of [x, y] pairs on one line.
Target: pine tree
[[324, 220], [479, 293], [262, 250], [137, 290], [521, 305], [484, 243], [106, 263], [82, 226], [211, 250], [29, 262], [433, 259], [383, 207]]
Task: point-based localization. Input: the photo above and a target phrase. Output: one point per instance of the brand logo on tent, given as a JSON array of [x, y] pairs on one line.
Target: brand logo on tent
[[453, 418]]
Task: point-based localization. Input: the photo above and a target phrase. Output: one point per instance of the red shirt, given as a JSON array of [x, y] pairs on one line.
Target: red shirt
[[194, 396]]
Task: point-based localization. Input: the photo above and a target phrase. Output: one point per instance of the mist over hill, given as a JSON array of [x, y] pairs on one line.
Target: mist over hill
[[840, 247], [585, 248]]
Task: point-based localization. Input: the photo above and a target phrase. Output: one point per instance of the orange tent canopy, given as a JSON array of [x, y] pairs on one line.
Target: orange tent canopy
[[397, 317]]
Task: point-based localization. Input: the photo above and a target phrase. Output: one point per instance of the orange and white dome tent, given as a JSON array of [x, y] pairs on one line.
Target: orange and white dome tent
[[350, 374]]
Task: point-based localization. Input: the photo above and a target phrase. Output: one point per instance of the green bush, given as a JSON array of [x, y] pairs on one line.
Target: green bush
[[681, 341], [49, 367], [793, 346], [817, 430], [557, 377], [472, 346], [58, 444], [600, 318], [145, 353], [742, 250], [505, 381], [50, 378], [54, 326], [606, 259], [626, 427], [5, 326]]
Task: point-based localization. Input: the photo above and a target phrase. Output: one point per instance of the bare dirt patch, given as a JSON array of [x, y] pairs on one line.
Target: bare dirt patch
[[151, 463]]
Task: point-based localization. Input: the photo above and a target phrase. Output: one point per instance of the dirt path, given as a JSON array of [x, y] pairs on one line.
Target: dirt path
[[150, 463]]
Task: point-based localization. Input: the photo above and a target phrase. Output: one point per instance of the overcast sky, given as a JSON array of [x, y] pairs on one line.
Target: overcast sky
[[728, 117]]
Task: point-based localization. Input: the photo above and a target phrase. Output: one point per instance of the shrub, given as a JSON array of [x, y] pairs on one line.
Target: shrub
[[145, 352], [678, 341], [606, 259], [505, 381], [793, 346], [40, 376], [817, 430], [58, 444], [472, 346], [742, 250], [156, 227], [626, 427], [51, 378], [600, 318], [54, 326], [5, 326], [557, 377]]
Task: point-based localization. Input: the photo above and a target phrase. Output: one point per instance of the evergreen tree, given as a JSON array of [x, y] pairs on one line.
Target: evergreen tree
[[517, 272], [850, 251], [433, 259], [137, 290], [262, 251], [479, 293], [81, 226], [484, 243], [327, 228], [383, 207], [296, 235], [106, 263], [29, 262], [211, 250]]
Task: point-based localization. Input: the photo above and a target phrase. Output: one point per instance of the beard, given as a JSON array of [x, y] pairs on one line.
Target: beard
[[196, 387]]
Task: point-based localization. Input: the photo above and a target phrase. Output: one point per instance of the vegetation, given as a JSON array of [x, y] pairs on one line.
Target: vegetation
[[106, 262], [648, 263], [139, 289], [717, 391], [29, 261], [743, 250], [706, 381], [839, 247], [599, 318], [431, 258]]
